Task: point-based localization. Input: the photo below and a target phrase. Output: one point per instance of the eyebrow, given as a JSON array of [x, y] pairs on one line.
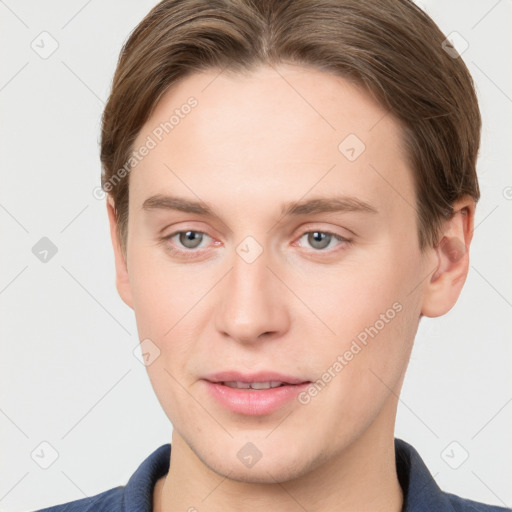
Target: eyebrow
[[294, 208]]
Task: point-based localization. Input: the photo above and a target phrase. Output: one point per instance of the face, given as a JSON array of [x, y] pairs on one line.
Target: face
[[300, 263]]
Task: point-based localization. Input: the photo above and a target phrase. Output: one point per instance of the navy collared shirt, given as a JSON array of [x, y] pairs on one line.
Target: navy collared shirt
[[421, 492]]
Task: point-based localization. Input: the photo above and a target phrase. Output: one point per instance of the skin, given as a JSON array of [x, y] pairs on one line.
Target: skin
[[252, 143]]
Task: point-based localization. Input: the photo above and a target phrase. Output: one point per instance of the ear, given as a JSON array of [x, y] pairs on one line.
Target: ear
[[122, 279], [452, 256]]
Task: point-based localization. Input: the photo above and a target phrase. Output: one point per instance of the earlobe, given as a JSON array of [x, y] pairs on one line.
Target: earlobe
[[452, 255], [122, 278]]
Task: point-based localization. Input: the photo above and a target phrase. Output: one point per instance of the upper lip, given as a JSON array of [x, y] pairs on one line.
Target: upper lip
[[263, 376]]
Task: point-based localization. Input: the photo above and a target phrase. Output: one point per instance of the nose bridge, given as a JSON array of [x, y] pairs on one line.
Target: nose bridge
[[250, 303]]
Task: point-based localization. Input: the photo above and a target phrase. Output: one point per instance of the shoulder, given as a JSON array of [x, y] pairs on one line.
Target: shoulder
[[464, 505], [135, 496], [111, 501], [421, 492]]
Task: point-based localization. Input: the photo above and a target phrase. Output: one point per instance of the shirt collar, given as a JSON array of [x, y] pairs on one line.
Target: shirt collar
[[421, 492]]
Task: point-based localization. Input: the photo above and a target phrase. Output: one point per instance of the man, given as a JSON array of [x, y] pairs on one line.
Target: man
[[291, 187]]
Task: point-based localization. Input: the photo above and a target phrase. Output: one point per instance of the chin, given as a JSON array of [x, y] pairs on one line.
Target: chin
[[271, 462], [264, 472]]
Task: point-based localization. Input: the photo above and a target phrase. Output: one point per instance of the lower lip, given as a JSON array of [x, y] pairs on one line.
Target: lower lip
[[254, 402]]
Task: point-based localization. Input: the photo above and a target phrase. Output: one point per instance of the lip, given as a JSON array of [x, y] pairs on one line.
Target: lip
[[262, 376], [252, 402]]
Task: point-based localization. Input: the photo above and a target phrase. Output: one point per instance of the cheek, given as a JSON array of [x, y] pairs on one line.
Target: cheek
[[372, 317], [170, 312], [360, 369], [354, 294], [166, 308], [163, 293], [370, 330]]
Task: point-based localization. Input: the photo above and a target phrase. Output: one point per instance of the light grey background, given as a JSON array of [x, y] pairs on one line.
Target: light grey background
[[69, 376]]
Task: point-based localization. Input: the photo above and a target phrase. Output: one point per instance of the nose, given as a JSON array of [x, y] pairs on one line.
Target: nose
[[252, 305]]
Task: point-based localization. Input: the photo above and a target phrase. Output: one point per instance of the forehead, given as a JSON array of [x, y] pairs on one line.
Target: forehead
[[276, 132]]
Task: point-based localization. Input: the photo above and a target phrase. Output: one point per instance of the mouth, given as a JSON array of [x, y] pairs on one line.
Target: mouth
[[259, 380], [255, 394], [255, 385]]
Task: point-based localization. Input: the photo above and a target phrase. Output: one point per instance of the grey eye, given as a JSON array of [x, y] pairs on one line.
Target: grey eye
[[319, 240], [190, 239]]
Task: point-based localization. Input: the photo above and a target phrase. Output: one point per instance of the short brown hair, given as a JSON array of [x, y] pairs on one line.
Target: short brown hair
[[390, 47]]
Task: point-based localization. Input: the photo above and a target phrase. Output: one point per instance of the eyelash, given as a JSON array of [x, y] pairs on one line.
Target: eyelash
[[191, 253]]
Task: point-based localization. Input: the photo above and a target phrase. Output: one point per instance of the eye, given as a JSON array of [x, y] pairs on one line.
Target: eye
[[321, 240], [188, 242], [188, 239]]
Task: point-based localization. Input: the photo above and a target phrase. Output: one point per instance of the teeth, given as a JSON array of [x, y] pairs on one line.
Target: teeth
[[253, 385], [260, 385], [239, 385]]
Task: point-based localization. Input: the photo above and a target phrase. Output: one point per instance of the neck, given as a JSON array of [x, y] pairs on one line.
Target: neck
[[362, 477]]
